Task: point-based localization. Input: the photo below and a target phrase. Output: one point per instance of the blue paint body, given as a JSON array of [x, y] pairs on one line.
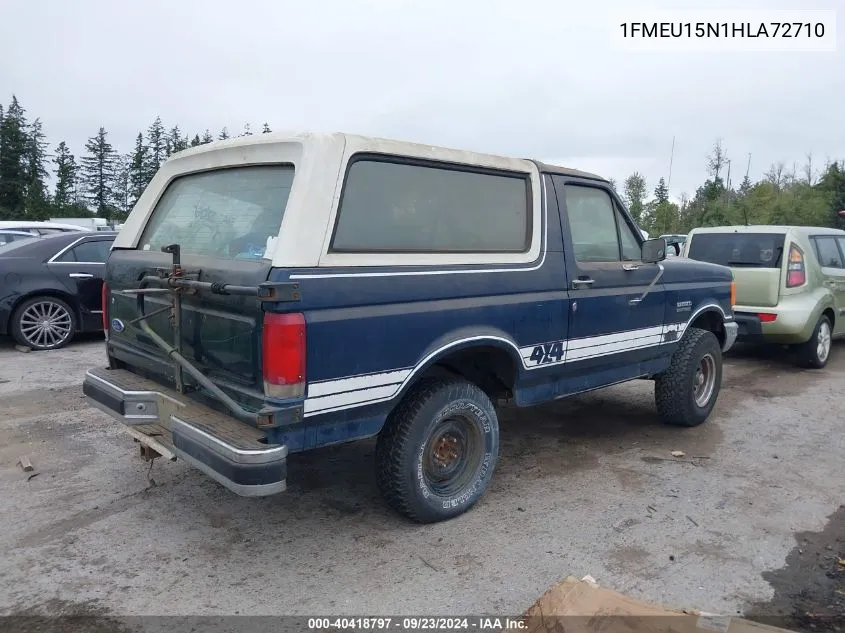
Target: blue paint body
[[368, 326]]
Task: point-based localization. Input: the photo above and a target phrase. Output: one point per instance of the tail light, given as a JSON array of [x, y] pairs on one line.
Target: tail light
[[283, 347], [105, 306], [796, 274], [733, 294], [767, 317]]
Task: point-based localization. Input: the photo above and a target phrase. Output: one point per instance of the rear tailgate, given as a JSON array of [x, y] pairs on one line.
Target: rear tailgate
[[223, 221], [754, 258]]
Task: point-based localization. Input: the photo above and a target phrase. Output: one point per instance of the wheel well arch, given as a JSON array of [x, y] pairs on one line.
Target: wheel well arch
[[491, 363], [712, 320], [46, 292], [830, 314]]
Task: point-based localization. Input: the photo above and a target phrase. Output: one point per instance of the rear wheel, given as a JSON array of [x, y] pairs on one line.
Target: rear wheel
[[436, 453], [687, 391], [43, 323], [816, 352]]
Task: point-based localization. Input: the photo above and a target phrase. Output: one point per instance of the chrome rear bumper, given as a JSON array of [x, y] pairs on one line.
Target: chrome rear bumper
[[229, 451]]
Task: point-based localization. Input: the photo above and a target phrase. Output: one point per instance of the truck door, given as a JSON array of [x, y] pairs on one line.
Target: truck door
[[616, 310]]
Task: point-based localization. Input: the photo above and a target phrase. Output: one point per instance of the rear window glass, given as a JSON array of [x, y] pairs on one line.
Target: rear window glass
[[232, 213], [399, 207], [750, 250]]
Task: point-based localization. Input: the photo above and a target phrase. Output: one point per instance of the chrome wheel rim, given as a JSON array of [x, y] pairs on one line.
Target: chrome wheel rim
[[823, 341], [704, 380], [46, 324]]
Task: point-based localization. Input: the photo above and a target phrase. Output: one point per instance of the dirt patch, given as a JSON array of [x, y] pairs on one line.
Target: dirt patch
[[43, 402], [810, 589], [62, 616]]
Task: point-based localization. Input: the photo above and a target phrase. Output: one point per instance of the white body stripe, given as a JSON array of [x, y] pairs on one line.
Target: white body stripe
[[328, 387], [345, 393]]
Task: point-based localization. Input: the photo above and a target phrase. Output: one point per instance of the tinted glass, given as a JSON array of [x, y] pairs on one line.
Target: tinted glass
[[412, 208], [592, 223], [90, 252], [828, 252], [749, 250], [226, 213]]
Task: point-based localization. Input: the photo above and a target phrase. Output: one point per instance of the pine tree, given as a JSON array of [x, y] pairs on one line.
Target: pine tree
[[122, 183], [661, 192], [246, 131], [745, 186], [177, 141], [207, 137], [65, 192], [137, 170], [224, 134], [266, 129], [13, 147], [156, 149], [37, 201], [196, 141], [98, 174]]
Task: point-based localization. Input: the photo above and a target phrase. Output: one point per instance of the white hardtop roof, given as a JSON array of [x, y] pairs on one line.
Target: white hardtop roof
[[395, 145]]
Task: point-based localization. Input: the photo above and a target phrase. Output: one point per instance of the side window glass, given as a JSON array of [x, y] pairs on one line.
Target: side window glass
[[90, 252], [828, 253], [631, 249], [592, 223]]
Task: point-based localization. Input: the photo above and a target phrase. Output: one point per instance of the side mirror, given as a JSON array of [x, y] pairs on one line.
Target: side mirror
[[654, 251]]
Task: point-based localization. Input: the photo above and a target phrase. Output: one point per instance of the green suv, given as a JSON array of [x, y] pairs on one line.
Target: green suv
[[790, 283]]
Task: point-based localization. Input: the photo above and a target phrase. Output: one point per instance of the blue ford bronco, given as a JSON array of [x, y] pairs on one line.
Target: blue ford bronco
[[279, 293]]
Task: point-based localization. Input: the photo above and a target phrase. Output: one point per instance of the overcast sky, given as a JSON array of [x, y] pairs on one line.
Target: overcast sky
[[531, 78]]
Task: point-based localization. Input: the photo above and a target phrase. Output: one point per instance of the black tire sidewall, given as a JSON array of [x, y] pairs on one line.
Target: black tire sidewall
[[478, 410], [708, 343], [16, 322], [812, 346]]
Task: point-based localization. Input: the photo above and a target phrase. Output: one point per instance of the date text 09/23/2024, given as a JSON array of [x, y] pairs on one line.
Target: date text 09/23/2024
[[417, 623]]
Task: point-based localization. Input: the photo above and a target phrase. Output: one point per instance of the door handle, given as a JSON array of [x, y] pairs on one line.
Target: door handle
[[630, 267], [582, 283], [81, 276]]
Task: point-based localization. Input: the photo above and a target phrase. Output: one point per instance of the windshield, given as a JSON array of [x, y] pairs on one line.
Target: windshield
[[232, 213], [755, 250]]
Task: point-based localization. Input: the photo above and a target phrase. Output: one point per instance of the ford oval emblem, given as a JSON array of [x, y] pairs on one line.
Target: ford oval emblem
[[117, 325]]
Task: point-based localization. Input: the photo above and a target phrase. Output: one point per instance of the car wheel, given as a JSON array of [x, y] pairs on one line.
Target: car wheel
[[816, 352], [687, 391], [43, 323], [436, 453]]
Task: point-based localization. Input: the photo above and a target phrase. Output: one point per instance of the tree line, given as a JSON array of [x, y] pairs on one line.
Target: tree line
[[106, 183], [809, 195], [102, 182]]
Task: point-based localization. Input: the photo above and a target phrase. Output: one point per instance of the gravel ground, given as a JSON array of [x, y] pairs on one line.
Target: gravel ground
[[583, 486]]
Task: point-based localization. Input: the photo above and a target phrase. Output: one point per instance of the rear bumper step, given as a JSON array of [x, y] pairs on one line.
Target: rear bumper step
[[229, 451]]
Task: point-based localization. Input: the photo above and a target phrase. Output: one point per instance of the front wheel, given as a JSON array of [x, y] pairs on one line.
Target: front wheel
[[436, 453], [686, 392]]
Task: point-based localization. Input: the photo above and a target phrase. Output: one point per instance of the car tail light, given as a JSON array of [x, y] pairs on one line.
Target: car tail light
[[796, 275], [767, 317], [105, 306], [283, 347]]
